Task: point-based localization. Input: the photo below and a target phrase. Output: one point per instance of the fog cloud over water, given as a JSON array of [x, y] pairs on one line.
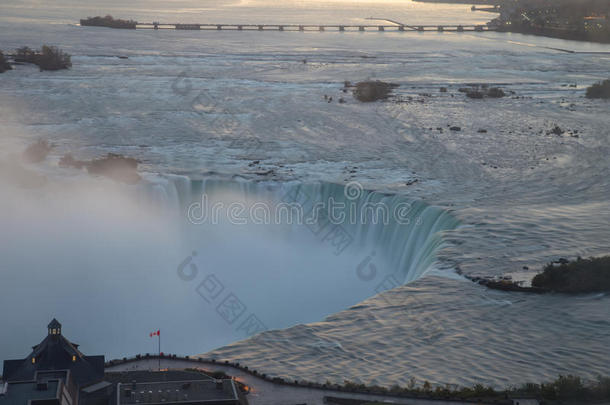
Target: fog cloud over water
[[82, 249]]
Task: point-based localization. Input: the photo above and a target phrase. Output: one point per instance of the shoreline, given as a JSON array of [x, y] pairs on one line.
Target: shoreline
[[553, 33], [506, 23], [267, 390], [270, 390]]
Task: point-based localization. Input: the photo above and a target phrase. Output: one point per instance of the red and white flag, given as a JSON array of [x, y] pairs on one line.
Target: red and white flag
[[157, 333]]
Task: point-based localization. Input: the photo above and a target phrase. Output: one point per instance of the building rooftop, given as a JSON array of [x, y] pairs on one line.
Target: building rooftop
[[179, 392], [155, 376], [55, 353], [22, 392]]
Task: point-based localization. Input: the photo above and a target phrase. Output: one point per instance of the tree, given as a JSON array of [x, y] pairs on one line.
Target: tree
[[52, 58]]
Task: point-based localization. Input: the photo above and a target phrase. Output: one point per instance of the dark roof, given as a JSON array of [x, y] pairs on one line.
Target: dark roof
[[55, 352], [54, 324], [96, 387], [11, 367], [22, 393], [171, 379], [155, 376], [179, 392]]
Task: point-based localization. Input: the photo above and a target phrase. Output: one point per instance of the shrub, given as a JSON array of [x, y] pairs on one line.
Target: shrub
[[602, 387], [569, 387], [52, 58], [24, 54], [582, 275], [427, 387], [4, 65], [219, 375], [599, 90]]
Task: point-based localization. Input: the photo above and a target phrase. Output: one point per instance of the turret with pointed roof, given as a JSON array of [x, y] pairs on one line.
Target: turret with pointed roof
[[54, 327], [56, 353]]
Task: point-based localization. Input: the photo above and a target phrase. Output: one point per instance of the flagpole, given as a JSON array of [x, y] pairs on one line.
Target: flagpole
[[159, 336]]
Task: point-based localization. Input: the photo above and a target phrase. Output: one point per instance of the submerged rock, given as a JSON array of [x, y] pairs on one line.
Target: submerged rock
[[116, 167], [556, 131], [36, 152], [495, 92], [475, 94], [68, 161], [113, 166], [480, 91]]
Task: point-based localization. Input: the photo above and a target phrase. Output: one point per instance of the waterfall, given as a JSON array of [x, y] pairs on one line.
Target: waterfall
[[406, 233], [117, 251]]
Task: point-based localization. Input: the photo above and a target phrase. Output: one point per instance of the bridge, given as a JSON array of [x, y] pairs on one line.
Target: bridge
[[394, 26]]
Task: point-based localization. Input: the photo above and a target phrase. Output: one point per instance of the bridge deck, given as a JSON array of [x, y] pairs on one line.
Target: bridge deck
[[395, 26]]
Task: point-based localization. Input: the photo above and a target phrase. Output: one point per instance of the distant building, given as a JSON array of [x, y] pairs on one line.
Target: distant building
[[53, 373], [57, 373]]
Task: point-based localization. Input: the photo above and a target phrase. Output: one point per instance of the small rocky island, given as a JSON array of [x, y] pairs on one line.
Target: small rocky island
[[369, 91], [579, 276], [599, 90], [47, 58], [480, 91], [109, 22], [561, 276]]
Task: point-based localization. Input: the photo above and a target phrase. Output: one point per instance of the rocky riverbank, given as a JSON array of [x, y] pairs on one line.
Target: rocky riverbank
[[562, 276]]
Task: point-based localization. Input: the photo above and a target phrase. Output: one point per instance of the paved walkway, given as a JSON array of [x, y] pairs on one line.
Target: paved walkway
[[267, 393]]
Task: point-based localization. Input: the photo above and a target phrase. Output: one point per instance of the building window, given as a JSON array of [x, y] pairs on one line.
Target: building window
[[74, 359], [54, 332], [33, 360]]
